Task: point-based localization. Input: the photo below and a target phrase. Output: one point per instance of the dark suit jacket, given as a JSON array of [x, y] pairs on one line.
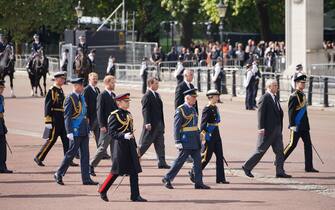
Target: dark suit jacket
[[269, 116], [179, 96], [105, 105], [152, 109], [91, 102]]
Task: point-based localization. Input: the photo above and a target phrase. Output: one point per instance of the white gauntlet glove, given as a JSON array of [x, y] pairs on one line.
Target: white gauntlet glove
[[48, 126], [128, 136], [179, 146], [70, 136]]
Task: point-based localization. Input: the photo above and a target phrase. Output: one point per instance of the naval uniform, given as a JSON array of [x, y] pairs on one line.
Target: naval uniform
[[297, 111], [210, 129], [125, 158], [54, 115]]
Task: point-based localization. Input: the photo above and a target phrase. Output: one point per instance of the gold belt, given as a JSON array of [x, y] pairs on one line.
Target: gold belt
[[213, 124], [186, 129], [57, 109]]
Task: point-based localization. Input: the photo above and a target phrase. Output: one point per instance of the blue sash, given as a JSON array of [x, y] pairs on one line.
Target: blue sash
[[210, 128], [77, 120], [298, 117]]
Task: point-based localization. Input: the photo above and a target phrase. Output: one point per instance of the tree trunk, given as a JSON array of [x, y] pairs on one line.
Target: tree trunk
[[263, 16], [187, 31]]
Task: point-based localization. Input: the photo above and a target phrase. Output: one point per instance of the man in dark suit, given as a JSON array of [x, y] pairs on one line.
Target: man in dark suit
[[184, 86], [77, 130], [105, 105], [91, 93], [153, 128], [270, 126]]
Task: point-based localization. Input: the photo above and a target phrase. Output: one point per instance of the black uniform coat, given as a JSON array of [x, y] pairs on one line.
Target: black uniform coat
[[125, 158], [179, 96], [91, 102], [210, 115], [105, 105]]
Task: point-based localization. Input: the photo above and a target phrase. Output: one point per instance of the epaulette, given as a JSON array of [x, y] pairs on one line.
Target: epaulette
[[114, 112]]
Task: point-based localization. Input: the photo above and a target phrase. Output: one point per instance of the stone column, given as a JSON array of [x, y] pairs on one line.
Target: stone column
[[304, 34]]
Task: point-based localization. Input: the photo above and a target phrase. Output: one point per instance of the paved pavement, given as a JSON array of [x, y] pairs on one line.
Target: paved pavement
[[33, 187]]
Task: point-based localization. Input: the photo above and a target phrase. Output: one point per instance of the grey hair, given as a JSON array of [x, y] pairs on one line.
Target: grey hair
[[187, 71], [269, 82]]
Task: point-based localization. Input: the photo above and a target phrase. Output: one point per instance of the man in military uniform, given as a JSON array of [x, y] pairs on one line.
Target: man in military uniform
[[3, 132], [35, 47], [54, 118], [77, 130], [299, 123], [211, 135], [249, 84], [2, 45], [82, 44], [125, 159], [187, 141]]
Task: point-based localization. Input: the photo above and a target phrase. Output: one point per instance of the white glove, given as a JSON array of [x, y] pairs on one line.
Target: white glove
[[70, 136], [128, 136], [179, 146], [148, 127], [293, 128], [48, 126]]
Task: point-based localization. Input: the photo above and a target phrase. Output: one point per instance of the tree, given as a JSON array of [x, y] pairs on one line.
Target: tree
[[186, 12]]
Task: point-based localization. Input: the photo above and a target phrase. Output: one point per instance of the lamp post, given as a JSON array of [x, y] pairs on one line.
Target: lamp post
[[222, 9], [79, 11]]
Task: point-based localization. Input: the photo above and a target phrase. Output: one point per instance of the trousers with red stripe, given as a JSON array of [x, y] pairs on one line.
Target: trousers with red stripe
[[133, 179]]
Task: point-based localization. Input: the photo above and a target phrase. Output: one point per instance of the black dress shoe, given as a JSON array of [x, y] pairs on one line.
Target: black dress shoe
[[58, 179], [311, 170], [73, 164], [5, 171], [247, 172], [222, 182], [139, 199], [167, 183], [90, 182], [201, 186], [191, 175], [164, 166], [104, 197], [283, 175], [92, 173], [38, 162]]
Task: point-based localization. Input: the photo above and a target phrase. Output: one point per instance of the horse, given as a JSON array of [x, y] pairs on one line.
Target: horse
[[82, 66], [7, 66], [38, 68]]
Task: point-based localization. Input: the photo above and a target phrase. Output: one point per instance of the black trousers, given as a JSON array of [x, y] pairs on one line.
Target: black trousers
[[144, 82], [255, 90], [306, 138], [249, 99], [217, 84], [58, 130], [134, 189], [210, 147], [3, 152]]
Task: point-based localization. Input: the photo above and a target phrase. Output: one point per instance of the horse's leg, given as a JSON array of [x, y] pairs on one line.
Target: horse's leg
[[45, 83], [11, 77], [39, 85]]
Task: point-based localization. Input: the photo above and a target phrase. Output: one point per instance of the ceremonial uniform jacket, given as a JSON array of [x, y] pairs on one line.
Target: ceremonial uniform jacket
[[75, 115], [210, 123], [3, 128], [125, 158], [297, 111], [53, 108], [186, 129]]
